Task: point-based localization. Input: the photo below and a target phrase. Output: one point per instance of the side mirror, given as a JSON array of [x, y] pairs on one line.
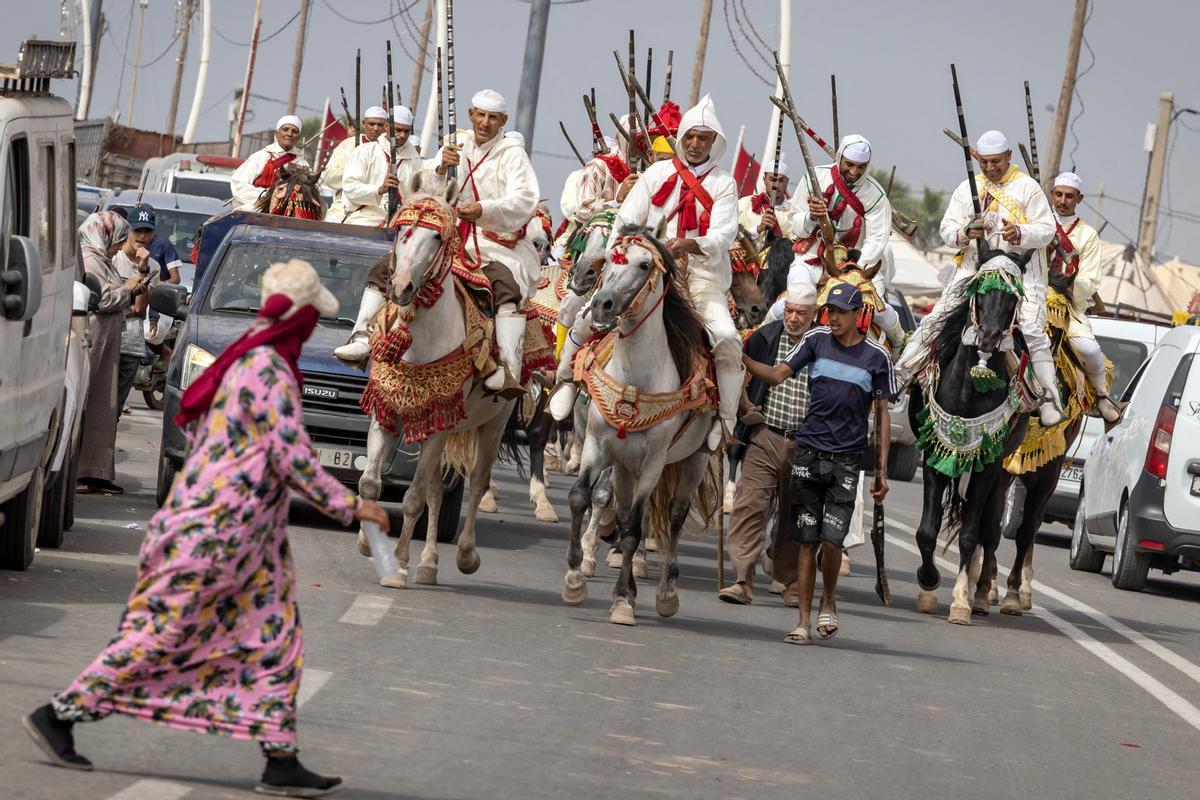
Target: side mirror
[[170, 299], [21, 280], [94, 286]]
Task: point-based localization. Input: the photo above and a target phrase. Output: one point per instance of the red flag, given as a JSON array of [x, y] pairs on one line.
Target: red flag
[[332, 132], [745, 172]]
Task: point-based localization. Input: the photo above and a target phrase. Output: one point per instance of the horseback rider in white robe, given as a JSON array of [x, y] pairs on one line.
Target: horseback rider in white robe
[[700, 199]]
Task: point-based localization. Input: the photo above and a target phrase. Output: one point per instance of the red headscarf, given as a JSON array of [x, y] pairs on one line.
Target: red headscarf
[[287, 336]]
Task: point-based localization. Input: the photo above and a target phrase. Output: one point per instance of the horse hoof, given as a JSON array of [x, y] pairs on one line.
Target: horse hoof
[[571, 468], [1011, 606], [622, 613], [994, 597], [667, 606], [588, 567], [639, 568], [397, 581], [468, 561], [574, 595], [927, 603], [614, 559], [959, 615], [1026, 602], [425, 576], [363, 547], [487, 503], [544, 512], [652, 544]]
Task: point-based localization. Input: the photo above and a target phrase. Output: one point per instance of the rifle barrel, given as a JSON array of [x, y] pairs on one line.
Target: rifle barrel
[[962, 130]]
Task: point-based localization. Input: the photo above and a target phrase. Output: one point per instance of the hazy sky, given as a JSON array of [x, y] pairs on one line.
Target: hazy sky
[[891, 58]]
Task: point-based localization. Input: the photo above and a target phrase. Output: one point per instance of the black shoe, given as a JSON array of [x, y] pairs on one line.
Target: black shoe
[[287, 777], [55, 738]]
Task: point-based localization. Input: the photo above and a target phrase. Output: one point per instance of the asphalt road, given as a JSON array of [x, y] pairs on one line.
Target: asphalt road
[[488, 686]]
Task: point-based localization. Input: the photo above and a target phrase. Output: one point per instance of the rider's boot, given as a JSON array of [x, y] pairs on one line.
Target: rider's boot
[[729, 385], [1104, 404], [510, 338], [1050, 410], [562, 401], [359, 346], [892, 329]]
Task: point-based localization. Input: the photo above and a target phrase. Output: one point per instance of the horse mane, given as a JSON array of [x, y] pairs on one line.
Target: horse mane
[[686, 334], [946, 336]]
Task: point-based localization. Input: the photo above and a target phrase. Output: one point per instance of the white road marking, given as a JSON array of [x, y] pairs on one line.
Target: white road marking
[[311, 682], [150, 789], [95, 558], [1154, 687], [368, 609], [1152, 647]]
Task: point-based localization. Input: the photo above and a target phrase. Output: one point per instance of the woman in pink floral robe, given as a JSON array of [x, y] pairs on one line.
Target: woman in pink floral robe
[[210, 639]]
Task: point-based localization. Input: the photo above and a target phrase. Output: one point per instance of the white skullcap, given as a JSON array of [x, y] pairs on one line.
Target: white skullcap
[[403, 115], [516, 136], [859, 151], [1070, 179], [490, 100], [992, 143], [288, 119], [801, 294], [375, 112], [781, 169]]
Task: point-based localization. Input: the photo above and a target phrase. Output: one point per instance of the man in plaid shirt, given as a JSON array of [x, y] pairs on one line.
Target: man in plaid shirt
[[767, 430]]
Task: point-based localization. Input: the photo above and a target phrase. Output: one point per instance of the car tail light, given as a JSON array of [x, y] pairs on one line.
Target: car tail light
[[1159, 451], [1150, 544]]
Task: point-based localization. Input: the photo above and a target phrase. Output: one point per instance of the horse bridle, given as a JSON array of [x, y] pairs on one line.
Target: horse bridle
[[618, 256], [429, 214], [1011, 278]]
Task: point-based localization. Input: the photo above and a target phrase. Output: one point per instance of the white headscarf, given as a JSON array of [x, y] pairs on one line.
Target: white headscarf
[[855, 144], [702, 115]]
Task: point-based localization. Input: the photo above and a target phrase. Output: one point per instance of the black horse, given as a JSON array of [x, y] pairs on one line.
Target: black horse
[[972, 386]]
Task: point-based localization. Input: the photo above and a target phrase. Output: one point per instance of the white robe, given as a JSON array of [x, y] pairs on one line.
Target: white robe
[[332, 176], [1086, 242], [877, 222], [499, 176], [750, 219], [365, 173], [241, 183]]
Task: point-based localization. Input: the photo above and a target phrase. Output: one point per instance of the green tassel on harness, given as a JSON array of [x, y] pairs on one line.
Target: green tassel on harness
[[985, 379]]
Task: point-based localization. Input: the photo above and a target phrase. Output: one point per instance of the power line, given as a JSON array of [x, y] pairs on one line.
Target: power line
[[262, 40], [1077, 95], [337, 13], [738, 50]]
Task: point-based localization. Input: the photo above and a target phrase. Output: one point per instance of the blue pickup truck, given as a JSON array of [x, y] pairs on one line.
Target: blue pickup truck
[[235, 249]]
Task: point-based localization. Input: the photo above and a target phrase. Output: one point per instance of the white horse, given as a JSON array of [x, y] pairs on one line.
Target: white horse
[[421, 270], [643, 298]]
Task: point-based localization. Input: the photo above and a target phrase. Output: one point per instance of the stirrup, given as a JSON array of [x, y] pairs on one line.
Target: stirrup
[[510, 389]]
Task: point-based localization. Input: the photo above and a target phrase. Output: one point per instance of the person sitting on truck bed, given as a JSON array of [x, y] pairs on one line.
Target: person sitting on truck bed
[[333, 176], [261, 170], [368, 176]]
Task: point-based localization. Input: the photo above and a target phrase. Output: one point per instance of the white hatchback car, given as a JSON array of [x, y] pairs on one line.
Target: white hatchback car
[[1141, 481]]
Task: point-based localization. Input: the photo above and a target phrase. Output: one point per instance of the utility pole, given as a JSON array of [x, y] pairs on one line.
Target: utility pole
[[701, 49], [785, 60], [298, 60], [1062, 115], [189, 132], [137, 57], [414, 92], [189, 6], [92, 19], [241, 117], [1148, 225], [531, 70]]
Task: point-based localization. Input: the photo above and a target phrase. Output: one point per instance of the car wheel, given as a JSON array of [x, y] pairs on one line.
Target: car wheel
[[1084, 557], [1130, 568], [902, 462], [72, 481], [54, 508], [166, 476], [22, 519], [154, 398]]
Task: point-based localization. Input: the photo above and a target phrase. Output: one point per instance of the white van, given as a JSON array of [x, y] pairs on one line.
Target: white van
[[1141, 481], [190, 173], [39, 251]]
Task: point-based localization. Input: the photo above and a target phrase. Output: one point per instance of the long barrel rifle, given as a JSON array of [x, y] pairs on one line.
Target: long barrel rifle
[[901, 223], [966, 148], [667, 78], [451, 105], [570, 144], [632, 85], [393, 194], [589, 106]]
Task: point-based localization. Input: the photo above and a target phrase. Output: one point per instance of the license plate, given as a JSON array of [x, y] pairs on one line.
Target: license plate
[[333, 457], [1074, 474]]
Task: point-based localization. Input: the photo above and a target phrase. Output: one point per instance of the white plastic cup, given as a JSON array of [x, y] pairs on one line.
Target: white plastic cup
[[382, 557]]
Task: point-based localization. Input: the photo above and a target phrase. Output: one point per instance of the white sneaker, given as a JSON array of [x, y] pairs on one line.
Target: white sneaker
[[1049, 415], [358, 348], [562, 401]]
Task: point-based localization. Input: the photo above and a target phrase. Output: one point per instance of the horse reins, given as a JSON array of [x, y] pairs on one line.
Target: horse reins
[[618, 257]]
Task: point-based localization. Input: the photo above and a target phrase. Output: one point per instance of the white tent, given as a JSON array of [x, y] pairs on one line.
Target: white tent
[[914, 274], [1126, 282]]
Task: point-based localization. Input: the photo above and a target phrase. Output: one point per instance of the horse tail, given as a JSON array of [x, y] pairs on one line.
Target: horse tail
[[511, 451], [955, 507], [459, 454], [705, 503]]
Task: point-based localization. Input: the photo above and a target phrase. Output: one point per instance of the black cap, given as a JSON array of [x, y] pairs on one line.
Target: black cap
[[845, 297], [141, 218]]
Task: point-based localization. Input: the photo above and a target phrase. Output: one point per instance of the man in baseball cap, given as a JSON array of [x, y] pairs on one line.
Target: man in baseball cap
[[848, 374]]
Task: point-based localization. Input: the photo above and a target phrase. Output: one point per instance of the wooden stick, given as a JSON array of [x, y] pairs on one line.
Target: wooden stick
[[570, 144], [833, 88]]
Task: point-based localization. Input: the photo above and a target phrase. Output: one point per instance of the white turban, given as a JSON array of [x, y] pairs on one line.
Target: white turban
[[992, 143], [375, 112], [288, 119], [801, 294], [858, 151], [1070, 179], [403, 115], [516, 136], [780, 169], [489, 100]]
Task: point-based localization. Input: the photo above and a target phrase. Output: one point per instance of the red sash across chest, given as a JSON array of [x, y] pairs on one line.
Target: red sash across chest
[[693, 192]]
